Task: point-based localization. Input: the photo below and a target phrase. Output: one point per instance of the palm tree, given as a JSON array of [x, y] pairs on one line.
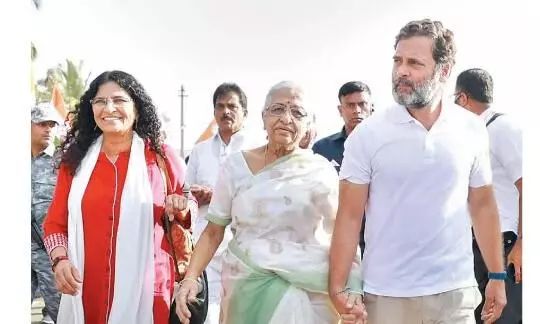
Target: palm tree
[[72, 82], [33, 52], [68, 78], [33, 55], [44, 87]]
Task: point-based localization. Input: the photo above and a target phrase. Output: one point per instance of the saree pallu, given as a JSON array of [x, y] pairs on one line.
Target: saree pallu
[[275, 270]]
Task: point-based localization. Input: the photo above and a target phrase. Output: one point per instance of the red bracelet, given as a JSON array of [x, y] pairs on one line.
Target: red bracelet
[[57, 260]]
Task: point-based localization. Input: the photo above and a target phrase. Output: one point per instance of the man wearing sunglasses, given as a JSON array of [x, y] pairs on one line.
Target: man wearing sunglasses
[[45, 120], [474, 92]]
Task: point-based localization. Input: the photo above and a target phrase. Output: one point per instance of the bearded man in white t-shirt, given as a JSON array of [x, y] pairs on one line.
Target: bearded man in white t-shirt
[[415, 168]]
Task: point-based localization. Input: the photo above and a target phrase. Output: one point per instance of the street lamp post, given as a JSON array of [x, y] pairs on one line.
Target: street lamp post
[[182, 125]]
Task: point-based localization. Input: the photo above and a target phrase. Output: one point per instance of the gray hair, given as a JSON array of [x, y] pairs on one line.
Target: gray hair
[[283, 85]]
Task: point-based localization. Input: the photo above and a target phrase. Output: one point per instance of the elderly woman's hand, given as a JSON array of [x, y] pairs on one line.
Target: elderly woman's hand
[[187, 293], [350, 307], [176, 204]]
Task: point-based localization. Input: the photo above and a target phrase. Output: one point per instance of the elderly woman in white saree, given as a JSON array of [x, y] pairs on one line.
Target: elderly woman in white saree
[[280, 202]]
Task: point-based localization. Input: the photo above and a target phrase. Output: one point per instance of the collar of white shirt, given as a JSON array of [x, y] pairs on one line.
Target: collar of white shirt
[[487, 114]]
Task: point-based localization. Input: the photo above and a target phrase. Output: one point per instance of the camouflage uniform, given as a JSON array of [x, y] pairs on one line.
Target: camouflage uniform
[[44, 176]]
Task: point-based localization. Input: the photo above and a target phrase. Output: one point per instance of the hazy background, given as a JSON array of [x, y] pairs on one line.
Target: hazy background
[[167, 43]]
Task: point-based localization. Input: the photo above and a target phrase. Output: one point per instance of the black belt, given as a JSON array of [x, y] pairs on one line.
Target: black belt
[[508, 237]]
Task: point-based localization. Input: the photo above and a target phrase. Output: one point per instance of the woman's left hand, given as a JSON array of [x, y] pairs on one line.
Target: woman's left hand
[[355, 310], [175, 204]]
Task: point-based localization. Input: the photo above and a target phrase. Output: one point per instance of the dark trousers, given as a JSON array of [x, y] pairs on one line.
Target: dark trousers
[[42, 279], [512, 312]]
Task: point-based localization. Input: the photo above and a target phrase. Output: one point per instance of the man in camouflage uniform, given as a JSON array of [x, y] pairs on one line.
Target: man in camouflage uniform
[[44, 122]]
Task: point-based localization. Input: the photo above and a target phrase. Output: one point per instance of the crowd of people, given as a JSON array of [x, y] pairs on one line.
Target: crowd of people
[[408, 215]]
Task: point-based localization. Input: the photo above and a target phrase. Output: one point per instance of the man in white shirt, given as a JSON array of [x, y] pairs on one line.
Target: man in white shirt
[[415, 169], [474, 92], [230, 112]]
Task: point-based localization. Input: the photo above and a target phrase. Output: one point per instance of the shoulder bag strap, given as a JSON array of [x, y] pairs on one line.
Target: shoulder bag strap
[[492, 119], [165, 219]]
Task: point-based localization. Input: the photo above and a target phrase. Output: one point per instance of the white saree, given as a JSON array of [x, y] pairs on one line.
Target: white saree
[[275, 269]]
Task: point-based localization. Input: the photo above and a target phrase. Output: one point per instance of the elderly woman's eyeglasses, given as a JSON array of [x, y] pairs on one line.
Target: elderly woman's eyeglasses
[[117, 102], [279, 110]]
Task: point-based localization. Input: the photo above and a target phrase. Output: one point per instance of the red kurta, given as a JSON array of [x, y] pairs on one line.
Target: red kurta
[[100, 215]]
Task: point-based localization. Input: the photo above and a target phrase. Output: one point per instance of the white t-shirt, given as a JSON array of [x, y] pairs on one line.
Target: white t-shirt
[[506, 149], [418, 230]]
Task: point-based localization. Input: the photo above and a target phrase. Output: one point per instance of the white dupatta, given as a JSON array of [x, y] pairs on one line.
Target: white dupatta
[[134, 263]]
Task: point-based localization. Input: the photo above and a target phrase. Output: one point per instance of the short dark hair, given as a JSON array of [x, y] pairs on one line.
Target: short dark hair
[[444, 50], [227, 87], [352, 87], [477, 84]]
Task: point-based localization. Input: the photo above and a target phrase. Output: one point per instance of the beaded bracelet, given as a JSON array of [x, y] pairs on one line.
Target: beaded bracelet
[[344, 291], [199, 285], [57, 260], [188, 279]]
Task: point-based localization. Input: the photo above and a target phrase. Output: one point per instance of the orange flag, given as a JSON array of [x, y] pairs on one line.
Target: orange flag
[[57, 100], [208, 132]]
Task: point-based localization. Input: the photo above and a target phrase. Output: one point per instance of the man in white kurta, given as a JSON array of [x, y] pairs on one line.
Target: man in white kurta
[[230, 111]]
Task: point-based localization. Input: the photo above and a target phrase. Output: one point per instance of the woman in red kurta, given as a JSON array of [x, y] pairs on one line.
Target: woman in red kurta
[[131, 115]]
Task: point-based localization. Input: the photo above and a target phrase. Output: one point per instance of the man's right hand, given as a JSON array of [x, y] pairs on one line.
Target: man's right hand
[[350, 307], [68, 279], [495, 301]]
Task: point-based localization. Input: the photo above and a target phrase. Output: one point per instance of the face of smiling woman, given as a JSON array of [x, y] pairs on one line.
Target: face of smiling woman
[[114, 110]]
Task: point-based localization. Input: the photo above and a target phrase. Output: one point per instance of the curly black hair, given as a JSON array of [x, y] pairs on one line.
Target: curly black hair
[[444, 49], [85, 131]]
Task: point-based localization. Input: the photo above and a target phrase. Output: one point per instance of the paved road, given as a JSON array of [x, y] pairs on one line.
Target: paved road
[[37, 305]]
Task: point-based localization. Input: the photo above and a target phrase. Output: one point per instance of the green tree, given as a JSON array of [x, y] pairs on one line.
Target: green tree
[[44, 87], [70, 80], [33, 52]]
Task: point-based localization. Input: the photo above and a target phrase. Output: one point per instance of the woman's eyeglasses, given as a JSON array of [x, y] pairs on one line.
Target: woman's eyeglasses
[[279, 110], [117, 102]]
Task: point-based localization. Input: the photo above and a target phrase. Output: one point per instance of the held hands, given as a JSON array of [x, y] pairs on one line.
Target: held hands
[[495, 301], [187, 293], [174, 205], [67, 277], [203, 194], [350, 307]]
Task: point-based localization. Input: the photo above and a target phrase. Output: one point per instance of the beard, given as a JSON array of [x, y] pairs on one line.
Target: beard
[[422, 94]]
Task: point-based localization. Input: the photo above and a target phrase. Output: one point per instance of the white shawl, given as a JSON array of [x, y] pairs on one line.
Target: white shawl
[[134, 263]]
